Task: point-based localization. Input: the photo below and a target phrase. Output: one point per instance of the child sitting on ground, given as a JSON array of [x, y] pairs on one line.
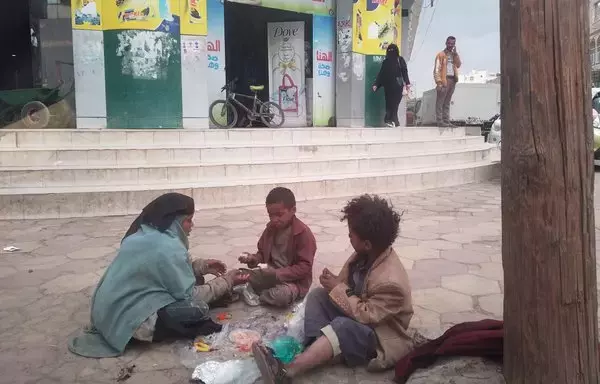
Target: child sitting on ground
[[288, 247], [360, 317]]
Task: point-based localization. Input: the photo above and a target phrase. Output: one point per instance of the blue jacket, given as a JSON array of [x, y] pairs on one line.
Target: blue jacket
[[151, 271]]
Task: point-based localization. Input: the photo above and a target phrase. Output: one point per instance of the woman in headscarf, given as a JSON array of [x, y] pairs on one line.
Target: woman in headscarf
[[149, 292], [393, 77]]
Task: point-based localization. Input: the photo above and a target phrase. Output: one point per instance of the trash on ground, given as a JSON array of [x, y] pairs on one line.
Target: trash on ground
[[125, 373], [244, 338], [228, 372], [224, 316], [286, 348], [248, 295], [294, 326], [11, 248], [234, 342], [201, 346]]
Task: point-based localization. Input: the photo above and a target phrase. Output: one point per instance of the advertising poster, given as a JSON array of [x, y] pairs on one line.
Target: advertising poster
[[215, 50], [150, 15], [316, 7], [193, 17], [323, 71], [286, 70], [86, 14], [375, 25]]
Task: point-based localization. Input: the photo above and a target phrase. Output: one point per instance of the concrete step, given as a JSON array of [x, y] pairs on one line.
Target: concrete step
[[110, 200], [83, 175], [110, 138], [144, 155]]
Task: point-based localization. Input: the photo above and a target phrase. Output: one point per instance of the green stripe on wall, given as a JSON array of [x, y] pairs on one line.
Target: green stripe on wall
[[143, 79], [374, 101]]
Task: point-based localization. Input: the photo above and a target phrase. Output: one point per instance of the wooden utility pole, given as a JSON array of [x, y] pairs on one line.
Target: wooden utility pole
[[548, 237]]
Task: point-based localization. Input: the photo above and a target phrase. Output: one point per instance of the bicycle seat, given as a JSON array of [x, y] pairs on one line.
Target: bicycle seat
[[257, 88]]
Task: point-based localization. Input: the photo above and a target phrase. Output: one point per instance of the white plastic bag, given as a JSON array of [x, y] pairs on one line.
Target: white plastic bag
[[227, 372], [248, 295], [295, 324]]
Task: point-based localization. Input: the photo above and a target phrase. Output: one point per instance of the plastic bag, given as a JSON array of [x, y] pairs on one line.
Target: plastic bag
[[190, 358], [268, 325], [295, 324], [248, 295], [228, 372], [244, 338], [286, 348]]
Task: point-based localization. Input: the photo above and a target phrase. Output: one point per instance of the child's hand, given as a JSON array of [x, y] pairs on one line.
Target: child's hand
[[328, 280], [215, 267], [248, 259], [240, 278]]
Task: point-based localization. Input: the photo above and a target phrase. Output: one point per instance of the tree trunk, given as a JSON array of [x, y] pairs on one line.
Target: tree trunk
[[548, 237]]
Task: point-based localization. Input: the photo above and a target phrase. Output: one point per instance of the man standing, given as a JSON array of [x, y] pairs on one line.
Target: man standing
[[445, 74]]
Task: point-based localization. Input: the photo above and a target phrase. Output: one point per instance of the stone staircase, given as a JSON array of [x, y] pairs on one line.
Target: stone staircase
[[75, 173]]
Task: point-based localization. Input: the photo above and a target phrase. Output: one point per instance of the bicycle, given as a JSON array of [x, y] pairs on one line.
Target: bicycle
[[226, 116]]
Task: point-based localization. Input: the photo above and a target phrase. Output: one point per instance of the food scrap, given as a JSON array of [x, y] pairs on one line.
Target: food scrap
[[224, 316], [201, 346]]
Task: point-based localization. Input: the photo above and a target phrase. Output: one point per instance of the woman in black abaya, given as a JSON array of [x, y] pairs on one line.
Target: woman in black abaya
[[393, 77]]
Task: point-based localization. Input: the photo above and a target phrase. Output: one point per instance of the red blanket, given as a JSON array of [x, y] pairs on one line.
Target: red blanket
[[481, 339]]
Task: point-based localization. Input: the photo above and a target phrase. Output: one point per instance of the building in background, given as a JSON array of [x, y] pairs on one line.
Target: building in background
[[595, 41], [161, 63], [477, 77]]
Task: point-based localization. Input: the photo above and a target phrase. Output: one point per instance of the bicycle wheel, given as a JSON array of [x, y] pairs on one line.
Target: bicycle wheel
[[271, 114], [222, 114]]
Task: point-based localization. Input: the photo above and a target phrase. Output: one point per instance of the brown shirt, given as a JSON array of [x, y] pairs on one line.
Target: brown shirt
[[279, 254]]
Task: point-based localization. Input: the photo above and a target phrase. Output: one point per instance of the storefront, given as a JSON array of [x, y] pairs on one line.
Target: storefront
[[161, 63]]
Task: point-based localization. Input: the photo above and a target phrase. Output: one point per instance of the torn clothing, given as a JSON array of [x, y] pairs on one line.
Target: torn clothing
[[356, 343], [299, 252]]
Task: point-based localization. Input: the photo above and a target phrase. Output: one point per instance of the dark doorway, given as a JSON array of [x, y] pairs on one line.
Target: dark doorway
[[16, 70], [246, 45]]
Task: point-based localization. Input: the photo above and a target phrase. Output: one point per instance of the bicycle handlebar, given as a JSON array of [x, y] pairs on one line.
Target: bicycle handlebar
[[229, 86]]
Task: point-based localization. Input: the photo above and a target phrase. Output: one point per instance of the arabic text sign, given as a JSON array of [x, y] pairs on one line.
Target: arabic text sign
[[214, 49], [323, 70]]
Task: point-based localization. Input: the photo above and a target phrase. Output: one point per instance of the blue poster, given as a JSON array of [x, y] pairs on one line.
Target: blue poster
[[323, 71], [215, 50]]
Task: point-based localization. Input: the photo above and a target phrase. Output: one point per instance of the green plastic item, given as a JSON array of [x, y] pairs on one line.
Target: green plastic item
[[286, 348]]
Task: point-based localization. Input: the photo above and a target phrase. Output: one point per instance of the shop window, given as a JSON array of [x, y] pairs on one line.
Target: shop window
[[36, 82]]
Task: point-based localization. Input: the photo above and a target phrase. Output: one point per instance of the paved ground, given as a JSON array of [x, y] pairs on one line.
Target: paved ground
[[450, 244]]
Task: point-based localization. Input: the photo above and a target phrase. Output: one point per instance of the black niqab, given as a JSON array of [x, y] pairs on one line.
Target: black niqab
[[161, 212]]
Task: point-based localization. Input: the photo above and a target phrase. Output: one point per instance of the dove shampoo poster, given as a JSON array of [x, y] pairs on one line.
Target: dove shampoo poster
[[286, 70]]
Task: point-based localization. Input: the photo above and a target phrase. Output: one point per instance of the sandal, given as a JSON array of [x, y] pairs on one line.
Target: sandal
[[271, 369]]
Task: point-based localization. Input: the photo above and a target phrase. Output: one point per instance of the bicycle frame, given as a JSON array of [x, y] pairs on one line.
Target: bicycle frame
[[256, 102]]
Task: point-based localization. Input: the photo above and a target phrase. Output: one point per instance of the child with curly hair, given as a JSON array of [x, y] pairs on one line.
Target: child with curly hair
[[361, 316]]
